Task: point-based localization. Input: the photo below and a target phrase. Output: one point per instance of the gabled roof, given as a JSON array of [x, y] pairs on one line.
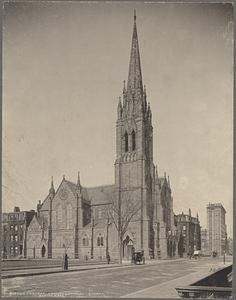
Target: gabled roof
[[45, 204], [37, 221], [73, 188]]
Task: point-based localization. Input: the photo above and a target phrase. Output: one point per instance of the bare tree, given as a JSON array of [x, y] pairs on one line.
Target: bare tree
[[121, 212]]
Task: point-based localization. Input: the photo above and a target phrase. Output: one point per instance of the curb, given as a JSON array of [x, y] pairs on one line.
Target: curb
[[58, 271], [83, 269]]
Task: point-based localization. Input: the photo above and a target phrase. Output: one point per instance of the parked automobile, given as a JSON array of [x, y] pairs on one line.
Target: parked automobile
[[197, 254], [139, 257]]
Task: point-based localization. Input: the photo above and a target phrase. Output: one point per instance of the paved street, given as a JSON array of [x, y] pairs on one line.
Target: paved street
[[132, 280]]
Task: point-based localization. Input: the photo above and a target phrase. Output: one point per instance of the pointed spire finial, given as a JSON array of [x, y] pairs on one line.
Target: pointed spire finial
[[78, 179], [134, 82], [168, 180], [64, 177], [52, 190], [124, 86]]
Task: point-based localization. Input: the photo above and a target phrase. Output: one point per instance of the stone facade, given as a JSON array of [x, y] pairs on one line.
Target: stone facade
[[216, 228], [87, 222]]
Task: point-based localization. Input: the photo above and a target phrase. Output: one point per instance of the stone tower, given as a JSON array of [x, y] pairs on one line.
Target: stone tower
[[134, 169]]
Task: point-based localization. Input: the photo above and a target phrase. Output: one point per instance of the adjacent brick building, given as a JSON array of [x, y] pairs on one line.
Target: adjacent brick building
[[189, 233], [75, 219], [14, 232]]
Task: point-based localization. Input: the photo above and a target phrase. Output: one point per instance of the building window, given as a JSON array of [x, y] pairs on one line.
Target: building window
[[69, 216], [85, 241], [16, 228], [21, 226], [126, 142], [98, 241], [101, 241], [133, 141], [184, 227], [12, 238], [12, 227], [99, 213]]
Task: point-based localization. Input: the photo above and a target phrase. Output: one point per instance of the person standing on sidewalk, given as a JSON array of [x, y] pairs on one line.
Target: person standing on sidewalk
[[65, 262], [108, 258]]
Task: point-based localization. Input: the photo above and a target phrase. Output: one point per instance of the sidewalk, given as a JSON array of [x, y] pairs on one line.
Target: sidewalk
[[45, 271], [167, 289], [51, 270]]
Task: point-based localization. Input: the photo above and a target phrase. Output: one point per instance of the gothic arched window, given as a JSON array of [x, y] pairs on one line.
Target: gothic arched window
[[101, 241], [98, 241], [133, 141], [126, 142]]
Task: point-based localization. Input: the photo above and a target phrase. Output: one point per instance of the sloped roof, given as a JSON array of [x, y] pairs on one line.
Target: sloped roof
[[45, 204], [73, 188], [35, 221], [101, 194], [91, 195]]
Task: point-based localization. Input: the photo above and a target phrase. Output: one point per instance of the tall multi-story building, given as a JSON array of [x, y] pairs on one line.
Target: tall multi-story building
[[14, 232], [204, 242], [216, 228], [189, 233], [75, 218]]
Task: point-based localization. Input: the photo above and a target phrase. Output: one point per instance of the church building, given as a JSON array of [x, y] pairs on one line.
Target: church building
[[135, 213]]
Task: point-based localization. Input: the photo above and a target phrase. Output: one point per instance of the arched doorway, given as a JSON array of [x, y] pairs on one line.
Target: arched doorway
[[43, 251], [127, 248]]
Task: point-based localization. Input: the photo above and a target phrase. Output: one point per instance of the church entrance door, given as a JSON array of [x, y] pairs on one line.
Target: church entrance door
[[43, 251], [127, 248]]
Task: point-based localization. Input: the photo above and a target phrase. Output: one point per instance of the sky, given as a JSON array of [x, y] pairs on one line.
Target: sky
[[63, 69]]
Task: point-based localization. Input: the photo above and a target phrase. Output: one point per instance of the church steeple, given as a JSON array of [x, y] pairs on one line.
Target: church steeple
[[134, 84]]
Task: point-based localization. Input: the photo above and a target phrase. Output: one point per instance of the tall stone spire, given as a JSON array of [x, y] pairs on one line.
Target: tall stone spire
[[78, 183], [134, 83], [52, 190]]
